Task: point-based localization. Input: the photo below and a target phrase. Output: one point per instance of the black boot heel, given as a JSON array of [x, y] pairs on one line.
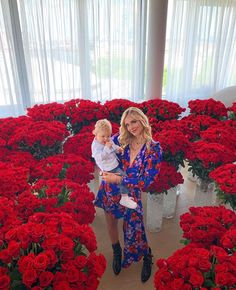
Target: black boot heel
[[117, 256], [147, 267]]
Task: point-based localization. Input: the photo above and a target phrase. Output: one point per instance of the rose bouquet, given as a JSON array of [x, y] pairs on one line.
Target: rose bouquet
[[17, 158], [51, 251], [161, 109], [79, 144], [8, 217], [64, 195], [192, 125], [13, 180], [40, 138], [83, 113], [210, 107], [167, 178], [225, 135], [206, 225], [194, 267], [159, 126], [116, 108], [204, 157], [174, 145], [69, 166], [9, 125], [208, 262], [48, 112], [225, 179]]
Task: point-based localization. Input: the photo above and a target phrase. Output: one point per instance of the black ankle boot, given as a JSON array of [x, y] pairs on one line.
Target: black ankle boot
[[147, 267], [117, 255]]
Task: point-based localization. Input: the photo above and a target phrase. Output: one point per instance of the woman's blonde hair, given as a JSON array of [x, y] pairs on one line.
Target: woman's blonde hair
[[102, 125], [125, 136]]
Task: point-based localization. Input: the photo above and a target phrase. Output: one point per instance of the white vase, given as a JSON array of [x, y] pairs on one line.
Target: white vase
[[154, 211], [191, 177], [95, 182], [170, 202], [205, 194]]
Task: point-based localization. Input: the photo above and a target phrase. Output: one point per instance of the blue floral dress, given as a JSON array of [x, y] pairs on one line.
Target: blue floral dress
[[140, 174]]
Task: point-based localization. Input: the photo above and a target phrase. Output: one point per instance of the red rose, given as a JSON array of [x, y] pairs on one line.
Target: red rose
[[26, 262], [45, 278], [177, 284], [72, 274], [66, 244], [5, 256], [41, 262], [52, 258], [4, 282], [196, 279], [14, 249], [225, 279], [29, 277], [80, 262], [63, 285]]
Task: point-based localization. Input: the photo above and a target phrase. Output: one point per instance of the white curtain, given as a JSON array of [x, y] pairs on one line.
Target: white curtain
[[200, 48], [11, 102], [56, 50]]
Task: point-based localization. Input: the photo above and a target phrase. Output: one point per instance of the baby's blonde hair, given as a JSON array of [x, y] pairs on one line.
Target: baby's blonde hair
[[102, 125], [125, 136]]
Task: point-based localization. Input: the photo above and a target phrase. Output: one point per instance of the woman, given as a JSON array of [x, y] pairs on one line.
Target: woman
[[141, 162]]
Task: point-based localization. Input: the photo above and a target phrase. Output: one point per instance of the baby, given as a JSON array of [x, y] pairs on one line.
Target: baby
[[104, 152]]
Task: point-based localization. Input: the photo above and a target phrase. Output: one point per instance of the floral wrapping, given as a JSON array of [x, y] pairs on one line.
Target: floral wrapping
[[140, 174]]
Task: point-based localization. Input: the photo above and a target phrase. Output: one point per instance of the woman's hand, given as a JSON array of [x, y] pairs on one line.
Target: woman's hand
[[111, 177]]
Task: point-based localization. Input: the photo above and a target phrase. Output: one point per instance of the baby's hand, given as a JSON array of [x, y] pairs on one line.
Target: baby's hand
[[120, 150], [108, 144]]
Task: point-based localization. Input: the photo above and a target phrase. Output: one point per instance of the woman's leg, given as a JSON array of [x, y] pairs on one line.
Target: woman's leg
[[112, 227]]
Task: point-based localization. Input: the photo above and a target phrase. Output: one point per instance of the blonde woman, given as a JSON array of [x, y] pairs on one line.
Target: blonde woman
[[141, 162]]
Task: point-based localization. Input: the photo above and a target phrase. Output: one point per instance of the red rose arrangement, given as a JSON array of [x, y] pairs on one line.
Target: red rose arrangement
[[69, 166], [13, 180], [48, 112], [116, 108], [40, 138], [192, 125], [79, 144], [158, 126], [161, 109], [18, 158], [225, 179], [206, 225], [208, 262], [174, 145], [83, 113], [210, 107], [225, 135], [204, 157], [51, 251], [167, 178], [57, 195], [8, 217], [194, 267], [9, 125]]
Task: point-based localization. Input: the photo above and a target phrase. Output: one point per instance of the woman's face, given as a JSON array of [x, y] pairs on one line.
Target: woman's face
[[133, 126]]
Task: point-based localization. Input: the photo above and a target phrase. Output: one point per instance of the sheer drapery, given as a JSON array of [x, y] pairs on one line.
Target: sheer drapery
[[72, 49], [201, 48], [10, 91]]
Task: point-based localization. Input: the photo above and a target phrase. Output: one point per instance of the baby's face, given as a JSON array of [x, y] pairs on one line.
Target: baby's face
[[103, 136]]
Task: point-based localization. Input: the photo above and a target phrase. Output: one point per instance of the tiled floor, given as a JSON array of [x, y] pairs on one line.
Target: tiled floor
[[163, 243]]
